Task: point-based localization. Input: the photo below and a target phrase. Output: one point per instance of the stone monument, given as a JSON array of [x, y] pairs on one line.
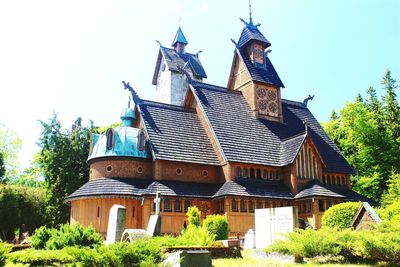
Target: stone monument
[[116, 224], [154, 226], [272, 223]]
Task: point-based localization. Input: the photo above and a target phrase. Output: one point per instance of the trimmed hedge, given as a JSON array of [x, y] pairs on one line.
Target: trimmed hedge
[[340, 215], [21, 205]]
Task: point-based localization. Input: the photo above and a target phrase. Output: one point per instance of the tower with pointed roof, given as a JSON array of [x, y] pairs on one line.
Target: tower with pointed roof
[[171, 84], [253, 74]]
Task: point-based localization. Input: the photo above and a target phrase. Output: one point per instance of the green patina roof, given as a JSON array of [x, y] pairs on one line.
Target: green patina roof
[[125, 144], [127, 116]]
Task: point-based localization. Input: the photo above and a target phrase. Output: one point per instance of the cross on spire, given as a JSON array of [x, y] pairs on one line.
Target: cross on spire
[[251, 19]]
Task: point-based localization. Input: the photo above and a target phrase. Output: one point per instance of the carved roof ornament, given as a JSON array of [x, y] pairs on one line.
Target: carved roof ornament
[[309, 97], [305, 122], [184, 70], [135, 97]]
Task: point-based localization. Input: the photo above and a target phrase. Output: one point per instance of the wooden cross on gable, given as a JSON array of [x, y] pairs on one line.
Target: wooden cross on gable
[[157, 200], [305, 122]]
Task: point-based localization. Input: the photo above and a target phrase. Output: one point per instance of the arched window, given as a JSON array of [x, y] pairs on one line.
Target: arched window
[[265, 174], [177, 205], [110, 139], [259, 204], [243, 206], [234, 206], [251, 205], [167, 204], [271, 174], [186, 205], [258, 173], [141, 141], [245, 172], [238, 172], [252, 173]]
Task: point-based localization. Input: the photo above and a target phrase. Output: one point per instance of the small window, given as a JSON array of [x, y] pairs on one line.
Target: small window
[[265, 174], [205, 173], [273, 204], [308, 207], [266, 204], [109, 168], [258, 173], [343, 180], [154, 206], [139, 169], [252, 175], [133, 212], [329, 179], [245, 172], [141, 141], [177, 205], [234, 205], [321, 205], [323, 179], [271, 174], [167, 204], [98, 212], [259, 204], [251, 205], [243, 206], [179, 171], [238, 172], [222, 206], [110, 139], [186, 205]]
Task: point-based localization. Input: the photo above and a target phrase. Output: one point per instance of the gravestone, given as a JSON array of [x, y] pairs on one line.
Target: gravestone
[[250, 239], [272, 223], [116, 224], [154, 226], [188, 258]]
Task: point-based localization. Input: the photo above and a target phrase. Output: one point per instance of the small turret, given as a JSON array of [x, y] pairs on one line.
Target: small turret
[[179, 42], [128, 115]]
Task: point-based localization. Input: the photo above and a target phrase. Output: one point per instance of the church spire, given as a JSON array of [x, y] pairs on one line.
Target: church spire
[[180, 41], [250, 18]]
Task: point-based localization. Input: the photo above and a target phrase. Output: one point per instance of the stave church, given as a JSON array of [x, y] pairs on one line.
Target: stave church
[[227, 150]]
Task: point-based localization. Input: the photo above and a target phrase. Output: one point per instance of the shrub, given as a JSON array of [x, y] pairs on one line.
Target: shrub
[[194, 216], [340, 215], [21, 205], [217, 225], [4, 249], [66, 235], [391, 212], [40, 257], [196, 236]]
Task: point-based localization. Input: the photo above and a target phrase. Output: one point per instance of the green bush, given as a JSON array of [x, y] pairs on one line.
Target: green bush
[[196, 236], [217, 225], [391, 212], [194, 216], [40, 257], [340, 215], [21, 205], [4, 249], [67, 235]]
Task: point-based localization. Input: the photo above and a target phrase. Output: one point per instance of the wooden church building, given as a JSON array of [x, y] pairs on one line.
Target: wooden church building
[[227, 150]]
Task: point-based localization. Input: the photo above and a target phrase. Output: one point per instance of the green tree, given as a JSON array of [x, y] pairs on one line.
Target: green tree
[[2, 167], [62, 162], [194, 216], [367, 133], [10, 145]]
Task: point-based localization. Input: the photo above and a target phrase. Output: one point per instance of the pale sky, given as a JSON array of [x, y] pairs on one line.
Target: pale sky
[[71, 56]]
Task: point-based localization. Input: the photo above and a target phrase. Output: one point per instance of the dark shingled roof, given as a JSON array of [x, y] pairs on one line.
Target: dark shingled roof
[[294, 114], [242, 137], [128, 187], [176, 134], [254, 188], [264, 74], [315, 188], [251, 32], [174, 59]]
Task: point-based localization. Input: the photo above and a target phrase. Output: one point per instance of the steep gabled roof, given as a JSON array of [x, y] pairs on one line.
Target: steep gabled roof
[[173, 59], [250, 32], [175, 133], [244, 138], [179, 38]]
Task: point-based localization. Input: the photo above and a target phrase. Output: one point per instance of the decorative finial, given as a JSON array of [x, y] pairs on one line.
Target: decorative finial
[[184, 71], [309, 97], [251, 19], [135, 96], [197, 54], [159, 42], [305, 122]]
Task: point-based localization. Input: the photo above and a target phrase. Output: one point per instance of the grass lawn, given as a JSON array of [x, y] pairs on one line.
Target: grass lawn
[[249, 259]]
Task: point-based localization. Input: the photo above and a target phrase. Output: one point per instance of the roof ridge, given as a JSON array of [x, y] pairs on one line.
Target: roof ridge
[[293, 137], [216, 88], [293, 102], [172, 49], [165, 105]]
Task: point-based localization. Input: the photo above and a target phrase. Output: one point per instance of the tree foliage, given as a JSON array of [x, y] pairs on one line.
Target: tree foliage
[[62, 162], [20, 205], [367, 131], [10, 145], [194, 216]]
